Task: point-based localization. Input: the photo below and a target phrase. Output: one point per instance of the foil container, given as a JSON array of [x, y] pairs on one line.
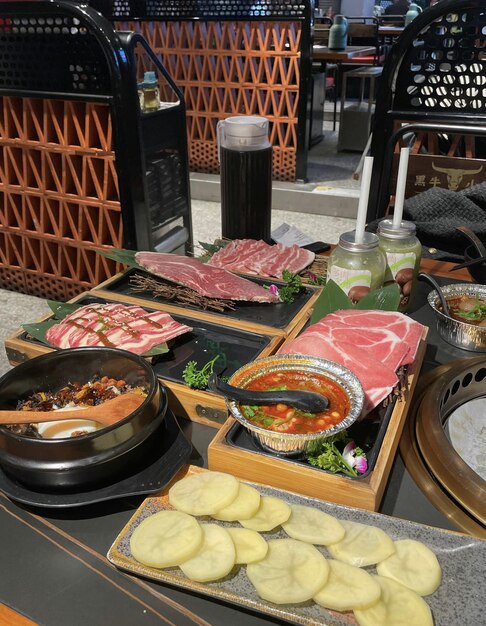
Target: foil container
[[459, 334], [290, 444]]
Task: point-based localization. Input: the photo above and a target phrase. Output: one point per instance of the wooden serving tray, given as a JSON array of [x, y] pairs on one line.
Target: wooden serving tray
[[364, 493], [269, 319], [238, 346]]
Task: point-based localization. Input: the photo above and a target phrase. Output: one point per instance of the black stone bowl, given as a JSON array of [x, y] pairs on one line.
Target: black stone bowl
[[477, 271], [87, 460]]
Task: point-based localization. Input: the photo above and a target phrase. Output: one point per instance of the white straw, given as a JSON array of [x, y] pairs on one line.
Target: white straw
[[363, 199], [401, 184]]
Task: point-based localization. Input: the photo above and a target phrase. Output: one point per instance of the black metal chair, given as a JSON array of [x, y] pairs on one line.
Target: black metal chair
[[434, 82]]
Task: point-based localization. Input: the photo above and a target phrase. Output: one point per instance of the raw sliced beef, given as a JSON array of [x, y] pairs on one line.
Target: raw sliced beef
[[406, 329], [257, 257], [116, 326], [377, 379], [206, 280]]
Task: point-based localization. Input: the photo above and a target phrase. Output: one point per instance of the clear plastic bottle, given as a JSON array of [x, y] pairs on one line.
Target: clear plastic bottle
[[150, 91], [357, 268], [403, 253]]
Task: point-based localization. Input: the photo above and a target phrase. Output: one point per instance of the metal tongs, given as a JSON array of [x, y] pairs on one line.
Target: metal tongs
[[306, 401]]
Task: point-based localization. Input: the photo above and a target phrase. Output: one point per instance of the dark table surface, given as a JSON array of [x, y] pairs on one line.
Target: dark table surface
[[54, 568]]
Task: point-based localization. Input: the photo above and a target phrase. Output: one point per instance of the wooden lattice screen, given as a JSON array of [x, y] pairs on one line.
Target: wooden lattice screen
[[58, 196], [232, 68]]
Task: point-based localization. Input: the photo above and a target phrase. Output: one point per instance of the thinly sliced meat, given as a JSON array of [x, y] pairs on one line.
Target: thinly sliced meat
[[406, 329], [115, 325], [206, 280], [377, 379], [257, 257], [383, 344]]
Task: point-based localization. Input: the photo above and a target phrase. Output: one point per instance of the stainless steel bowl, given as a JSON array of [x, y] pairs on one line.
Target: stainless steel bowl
[[289, 444], [460, 334]]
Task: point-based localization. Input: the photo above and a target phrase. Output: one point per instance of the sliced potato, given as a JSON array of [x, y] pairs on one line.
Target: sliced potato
[[362, 545], [249, 545], [413, 565], [166, 539], [203, 494], [348, 587], [313, 526], [291, 572], [216, 557], [244, 506], [398, 606], [271, 513]]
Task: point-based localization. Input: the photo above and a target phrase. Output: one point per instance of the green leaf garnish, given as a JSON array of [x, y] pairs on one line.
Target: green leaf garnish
[[198, 378], [127, 257], [62, 309], [332, 298], [385, 299]]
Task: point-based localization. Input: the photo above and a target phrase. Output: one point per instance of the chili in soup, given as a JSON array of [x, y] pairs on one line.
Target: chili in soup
[[284, 418]]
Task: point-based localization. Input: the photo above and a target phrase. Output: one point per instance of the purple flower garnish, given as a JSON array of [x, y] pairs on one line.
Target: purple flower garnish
[[273, 290], [355, 457]]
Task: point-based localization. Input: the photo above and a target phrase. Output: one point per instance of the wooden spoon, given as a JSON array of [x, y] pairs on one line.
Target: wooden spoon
[[106, 414]]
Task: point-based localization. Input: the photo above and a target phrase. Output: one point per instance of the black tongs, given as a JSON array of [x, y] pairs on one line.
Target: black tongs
[[306, 401]]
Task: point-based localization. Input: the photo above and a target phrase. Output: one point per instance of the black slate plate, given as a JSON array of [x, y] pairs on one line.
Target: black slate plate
[[274, 315], [367, 434], [167, 451]]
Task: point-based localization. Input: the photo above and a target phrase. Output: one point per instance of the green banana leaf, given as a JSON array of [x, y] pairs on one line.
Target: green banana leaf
[[60, 311], [127, 257], [333, 298]]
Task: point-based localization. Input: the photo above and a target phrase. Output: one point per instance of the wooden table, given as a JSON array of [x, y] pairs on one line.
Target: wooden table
[[390, 31], [54, 567], [323, 53]]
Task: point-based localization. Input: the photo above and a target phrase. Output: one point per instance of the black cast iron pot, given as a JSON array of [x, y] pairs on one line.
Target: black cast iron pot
[[87, 460]]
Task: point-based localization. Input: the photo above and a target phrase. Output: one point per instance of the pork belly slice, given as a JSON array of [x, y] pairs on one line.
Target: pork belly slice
[[116, 326], [257, 257], [212, 282], [377, 379]]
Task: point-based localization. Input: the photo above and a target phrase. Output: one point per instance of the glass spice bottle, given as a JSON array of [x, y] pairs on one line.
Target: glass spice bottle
[[403, 253], [357, 268], [150, 91]]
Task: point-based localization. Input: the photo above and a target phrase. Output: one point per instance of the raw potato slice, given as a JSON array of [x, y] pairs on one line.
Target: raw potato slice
[[398, 606], [362, 545], [166, 539], [291, 572], [313, 526], [203, 494], [249, 545], [216, 557], [413, 565], [272, 513], [347, 588], [244, 506]]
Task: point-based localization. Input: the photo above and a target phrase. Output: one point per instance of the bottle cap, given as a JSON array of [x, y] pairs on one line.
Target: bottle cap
[[370, 241], [406, 229], [149, 78], [244, 132]]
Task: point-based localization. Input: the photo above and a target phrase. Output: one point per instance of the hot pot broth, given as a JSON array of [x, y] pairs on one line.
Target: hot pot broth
[[284, 418], [469, 309]]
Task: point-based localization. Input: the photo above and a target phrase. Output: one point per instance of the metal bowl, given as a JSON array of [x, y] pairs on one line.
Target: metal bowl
[[289, 444], [459, 334]]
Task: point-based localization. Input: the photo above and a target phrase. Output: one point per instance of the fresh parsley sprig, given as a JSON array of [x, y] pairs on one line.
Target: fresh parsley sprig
[[197, 378]]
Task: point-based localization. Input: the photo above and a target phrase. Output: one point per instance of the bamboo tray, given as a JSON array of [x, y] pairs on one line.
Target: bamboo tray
[[269, 319], [237, 346], [364, 493]]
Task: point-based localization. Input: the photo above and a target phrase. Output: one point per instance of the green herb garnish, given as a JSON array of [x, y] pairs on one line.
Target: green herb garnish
[[198, 378], [324, 453], [292, 287]]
